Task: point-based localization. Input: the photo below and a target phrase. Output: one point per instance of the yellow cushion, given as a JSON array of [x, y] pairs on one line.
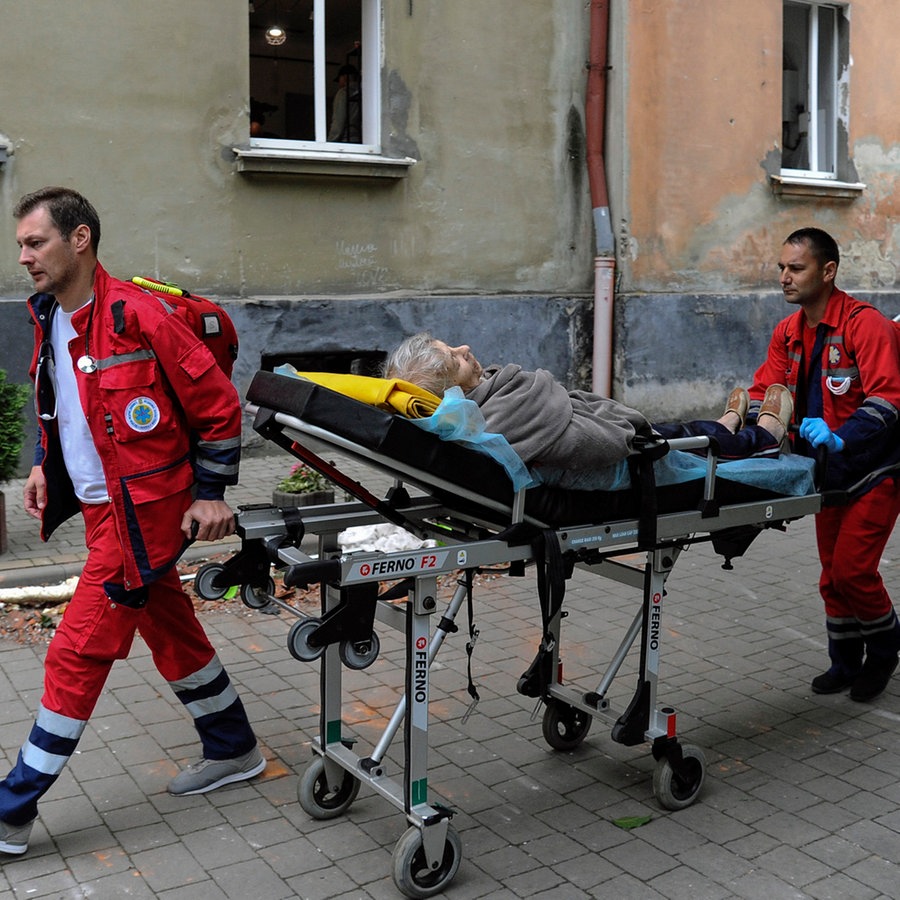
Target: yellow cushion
[[391, 394]]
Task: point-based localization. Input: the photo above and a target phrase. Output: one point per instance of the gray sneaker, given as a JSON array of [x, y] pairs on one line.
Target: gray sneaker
[[14, 838], [209, 774]]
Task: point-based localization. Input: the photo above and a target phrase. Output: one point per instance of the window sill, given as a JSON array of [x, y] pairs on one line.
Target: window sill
[[258, 161], [798, 186]]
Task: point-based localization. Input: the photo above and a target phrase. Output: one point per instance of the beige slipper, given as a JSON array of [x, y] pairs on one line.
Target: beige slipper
[[778, 403], [738, 403]]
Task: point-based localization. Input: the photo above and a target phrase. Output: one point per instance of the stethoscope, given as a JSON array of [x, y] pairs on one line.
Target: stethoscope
[[86, 363]]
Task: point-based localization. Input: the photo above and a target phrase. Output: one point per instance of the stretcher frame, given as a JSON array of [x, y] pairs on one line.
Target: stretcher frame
[[476, 532]]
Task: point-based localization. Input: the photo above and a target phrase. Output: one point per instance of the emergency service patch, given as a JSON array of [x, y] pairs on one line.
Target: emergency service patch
[[142, 414], [834, 356]]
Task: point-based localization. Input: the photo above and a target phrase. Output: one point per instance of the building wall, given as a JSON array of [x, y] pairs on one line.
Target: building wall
[[695, 134], [487, 240], [702, 92], [139, 107]]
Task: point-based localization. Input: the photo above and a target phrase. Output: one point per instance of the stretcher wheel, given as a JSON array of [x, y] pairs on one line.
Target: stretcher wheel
[[298, 640], [321, 800], [674, 791], [359, 655], [257, 598], [564, 726], [203, 582], [411, 873]]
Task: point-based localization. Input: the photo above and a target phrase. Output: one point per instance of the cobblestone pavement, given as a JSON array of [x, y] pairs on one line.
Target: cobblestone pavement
[[801, 798]]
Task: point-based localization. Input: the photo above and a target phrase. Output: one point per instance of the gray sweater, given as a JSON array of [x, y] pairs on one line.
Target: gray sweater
[[548, 425]]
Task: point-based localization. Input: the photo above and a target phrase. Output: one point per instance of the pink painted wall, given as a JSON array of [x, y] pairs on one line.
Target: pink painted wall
[[701, 97]]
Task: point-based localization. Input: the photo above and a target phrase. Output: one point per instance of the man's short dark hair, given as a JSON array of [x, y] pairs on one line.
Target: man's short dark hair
[[821, 244], [67, 208]]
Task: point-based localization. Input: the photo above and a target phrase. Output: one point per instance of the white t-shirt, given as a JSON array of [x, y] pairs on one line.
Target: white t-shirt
[[79, 453]]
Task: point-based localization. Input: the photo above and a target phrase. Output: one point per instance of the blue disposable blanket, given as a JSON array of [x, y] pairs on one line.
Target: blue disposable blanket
[[788, 475], [459, 419]]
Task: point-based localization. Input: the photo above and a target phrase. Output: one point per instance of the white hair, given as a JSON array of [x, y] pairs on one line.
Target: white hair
[[420, 361]]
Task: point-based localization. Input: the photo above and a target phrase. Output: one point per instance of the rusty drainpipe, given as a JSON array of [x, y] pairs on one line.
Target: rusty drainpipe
[[605, 260]]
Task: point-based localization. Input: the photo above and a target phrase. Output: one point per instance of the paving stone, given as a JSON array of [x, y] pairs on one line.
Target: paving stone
[[838, 886], [251, 878]]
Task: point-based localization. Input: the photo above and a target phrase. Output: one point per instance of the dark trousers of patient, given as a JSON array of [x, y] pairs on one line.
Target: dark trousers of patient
[[750, 441]]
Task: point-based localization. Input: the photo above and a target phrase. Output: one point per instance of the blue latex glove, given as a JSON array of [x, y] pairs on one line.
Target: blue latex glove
[[820, 435]]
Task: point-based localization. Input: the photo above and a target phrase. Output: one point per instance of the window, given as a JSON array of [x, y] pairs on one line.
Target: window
[[314, 75], [814, 126]]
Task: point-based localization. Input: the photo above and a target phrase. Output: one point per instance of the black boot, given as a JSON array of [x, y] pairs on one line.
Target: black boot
[[846, 655], [874, 677], [882, 640]]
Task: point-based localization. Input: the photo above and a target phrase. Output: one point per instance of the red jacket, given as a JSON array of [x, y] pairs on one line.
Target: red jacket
[[856, 390], [165, 420]]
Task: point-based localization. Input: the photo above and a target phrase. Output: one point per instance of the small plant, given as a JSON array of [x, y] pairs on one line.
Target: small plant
[[12, 432], [303, 480]]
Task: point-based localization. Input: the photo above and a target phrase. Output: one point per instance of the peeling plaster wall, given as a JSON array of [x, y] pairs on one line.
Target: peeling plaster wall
[[139, 107], [703, 97], [129, 107], [702, 100], [695, 134]]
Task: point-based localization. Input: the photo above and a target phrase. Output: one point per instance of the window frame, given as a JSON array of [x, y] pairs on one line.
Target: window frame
[[320, 156], [822, 178]]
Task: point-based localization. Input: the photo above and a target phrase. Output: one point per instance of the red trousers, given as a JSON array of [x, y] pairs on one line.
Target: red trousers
[[94, 631], [851, 540]]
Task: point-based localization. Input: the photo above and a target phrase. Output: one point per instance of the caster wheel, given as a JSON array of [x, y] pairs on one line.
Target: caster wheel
[[360, 655], [319, 799], [676, 791], [257, 598], [203, 582], [298, 640], [564, 726], [411, 873]]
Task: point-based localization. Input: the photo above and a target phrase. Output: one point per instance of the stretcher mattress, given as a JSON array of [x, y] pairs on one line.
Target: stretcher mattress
[[451, 463]]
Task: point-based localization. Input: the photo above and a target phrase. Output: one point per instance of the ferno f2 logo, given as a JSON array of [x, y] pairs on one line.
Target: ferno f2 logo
[[420, 670], [655, 617], [397, 566]]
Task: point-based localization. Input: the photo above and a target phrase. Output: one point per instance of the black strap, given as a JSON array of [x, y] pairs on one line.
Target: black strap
[[643, 479], [551, 582], [470, 644], [118, 314], [650, 446]]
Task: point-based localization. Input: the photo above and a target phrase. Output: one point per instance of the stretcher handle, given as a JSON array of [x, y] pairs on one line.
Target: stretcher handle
[[319, 571]]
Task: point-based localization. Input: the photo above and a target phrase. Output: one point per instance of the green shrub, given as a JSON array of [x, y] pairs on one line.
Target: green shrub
[[12, 432]]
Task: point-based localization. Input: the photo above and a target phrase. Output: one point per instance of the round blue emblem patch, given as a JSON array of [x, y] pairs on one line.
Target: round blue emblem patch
[[142, 414]]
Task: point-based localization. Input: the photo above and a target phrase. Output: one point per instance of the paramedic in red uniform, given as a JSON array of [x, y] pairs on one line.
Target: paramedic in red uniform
[[140, 432], [839, 357]]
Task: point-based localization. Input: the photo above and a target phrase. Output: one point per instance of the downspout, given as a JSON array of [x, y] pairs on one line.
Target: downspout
[[605, 259]]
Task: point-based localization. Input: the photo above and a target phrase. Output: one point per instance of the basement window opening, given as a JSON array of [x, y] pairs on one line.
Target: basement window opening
[[345, 362]]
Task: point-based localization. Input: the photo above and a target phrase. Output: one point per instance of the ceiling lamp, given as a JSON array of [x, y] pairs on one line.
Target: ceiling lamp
[[275, 35]]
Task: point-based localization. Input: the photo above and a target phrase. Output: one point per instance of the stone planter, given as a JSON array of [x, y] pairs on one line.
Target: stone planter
[[313, 498]]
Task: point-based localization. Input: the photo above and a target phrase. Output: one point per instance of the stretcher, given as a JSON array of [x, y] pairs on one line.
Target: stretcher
[[463, 500]]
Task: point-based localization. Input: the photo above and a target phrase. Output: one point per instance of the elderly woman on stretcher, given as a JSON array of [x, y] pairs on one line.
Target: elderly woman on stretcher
[[561, 432]]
